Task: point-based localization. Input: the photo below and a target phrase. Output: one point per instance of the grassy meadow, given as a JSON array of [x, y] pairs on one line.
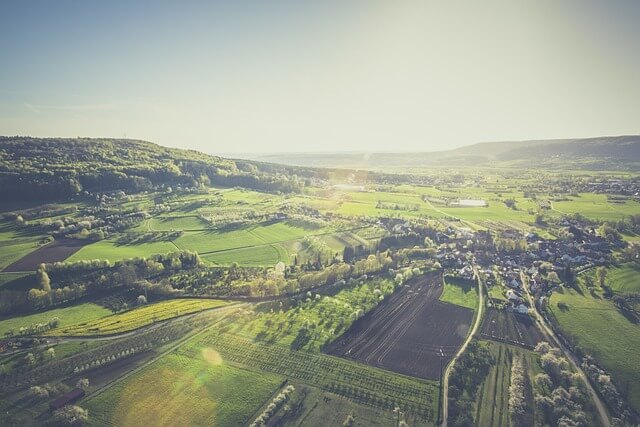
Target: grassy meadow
[[624, 279], [460, 292], [87, 312], [198, 389], [596, 325]]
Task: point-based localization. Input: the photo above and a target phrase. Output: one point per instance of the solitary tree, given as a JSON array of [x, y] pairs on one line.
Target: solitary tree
[[83, 383], [43, 280], [30, 359], [601, 275], [553, 277], [50, 354]]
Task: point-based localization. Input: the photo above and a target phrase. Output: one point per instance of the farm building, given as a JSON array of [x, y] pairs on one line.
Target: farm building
[[66, 399], [512, 296]]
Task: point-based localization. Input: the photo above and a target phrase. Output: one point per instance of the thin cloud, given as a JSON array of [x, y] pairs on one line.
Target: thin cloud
[[37, 108]]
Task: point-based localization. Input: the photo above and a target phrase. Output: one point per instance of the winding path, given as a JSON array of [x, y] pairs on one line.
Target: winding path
[[544, 326], [472, 332]]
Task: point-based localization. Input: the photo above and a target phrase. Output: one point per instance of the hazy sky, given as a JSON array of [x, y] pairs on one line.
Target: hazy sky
[[268, 75]]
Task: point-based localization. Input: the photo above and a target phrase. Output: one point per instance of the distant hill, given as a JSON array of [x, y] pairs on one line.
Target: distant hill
[[600, 153], [58, 168]]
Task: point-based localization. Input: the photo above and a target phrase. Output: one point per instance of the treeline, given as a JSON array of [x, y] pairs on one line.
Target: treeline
[[55, 168], [63, 282], [234, 281], [607, 389], [466, 376], [560, 395]]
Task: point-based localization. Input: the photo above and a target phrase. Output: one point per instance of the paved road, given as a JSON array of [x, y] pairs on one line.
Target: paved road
[[474, 329], [542, 322]]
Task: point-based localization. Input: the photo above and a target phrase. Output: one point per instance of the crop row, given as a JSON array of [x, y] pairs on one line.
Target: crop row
[[361, 383], [103, 355], [138, 317]]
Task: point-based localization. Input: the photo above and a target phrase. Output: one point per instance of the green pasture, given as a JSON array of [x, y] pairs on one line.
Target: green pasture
[[596, 325], [111, 250], [625, 278], [170, 223], [596, 206], [67, 316], [178, 389], [254, 256], [460, 292]]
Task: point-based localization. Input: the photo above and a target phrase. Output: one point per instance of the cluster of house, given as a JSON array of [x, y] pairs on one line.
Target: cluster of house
[[515, 300], [506, 269], [628, 187]]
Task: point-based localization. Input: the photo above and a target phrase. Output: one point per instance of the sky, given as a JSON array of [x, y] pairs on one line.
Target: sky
[[331, 75]]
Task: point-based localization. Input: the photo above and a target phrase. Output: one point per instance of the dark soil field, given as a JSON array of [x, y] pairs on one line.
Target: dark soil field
[[408, 332], [511, 328], [58, 250]]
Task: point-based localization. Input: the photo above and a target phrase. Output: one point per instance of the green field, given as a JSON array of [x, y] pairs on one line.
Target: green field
[[597, 326], [68, 316], [624, 279], [255, 256], [113, 251], [137, 317], [15, 245], [170, 223], [596, 206], [364, 384], [460, 292], [198, 389]]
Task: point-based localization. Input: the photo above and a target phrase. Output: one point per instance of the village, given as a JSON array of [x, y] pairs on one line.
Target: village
[[541, 264]]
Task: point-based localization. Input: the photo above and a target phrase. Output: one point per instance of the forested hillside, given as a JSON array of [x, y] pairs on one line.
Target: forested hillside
[[600, 153], [54, 168]]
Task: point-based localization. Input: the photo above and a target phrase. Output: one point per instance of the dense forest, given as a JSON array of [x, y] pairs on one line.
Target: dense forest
[[54, 168]]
